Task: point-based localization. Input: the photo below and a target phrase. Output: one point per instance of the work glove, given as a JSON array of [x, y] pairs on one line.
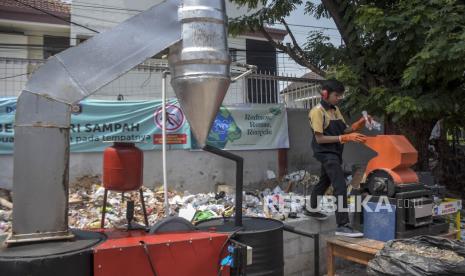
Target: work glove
[[352, 137], [360, 123]]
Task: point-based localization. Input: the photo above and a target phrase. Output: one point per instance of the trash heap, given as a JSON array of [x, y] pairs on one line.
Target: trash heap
[[420, 255], [428, 251], [6, 211], [86, 203]]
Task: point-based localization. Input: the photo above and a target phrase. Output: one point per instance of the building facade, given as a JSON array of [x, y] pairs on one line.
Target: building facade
[[30, 31]]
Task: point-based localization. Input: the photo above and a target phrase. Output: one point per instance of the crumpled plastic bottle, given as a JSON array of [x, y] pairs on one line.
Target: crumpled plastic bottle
[[371, 124]]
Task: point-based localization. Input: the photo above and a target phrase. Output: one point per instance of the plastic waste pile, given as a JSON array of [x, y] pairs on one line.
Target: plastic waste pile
[[6, 211], [422, 255], [5, 219], [86, 201]]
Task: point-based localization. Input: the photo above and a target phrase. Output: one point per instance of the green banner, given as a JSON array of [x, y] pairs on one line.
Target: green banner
[[250, 127], [95, 124]]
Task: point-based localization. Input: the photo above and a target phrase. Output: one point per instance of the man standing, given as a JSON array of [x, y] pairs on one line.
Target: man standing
[[330, 133]]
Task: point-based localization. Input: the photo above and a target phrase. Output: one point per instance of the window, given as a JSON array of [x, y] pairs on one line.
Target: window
[[55, 44], [233, 54]]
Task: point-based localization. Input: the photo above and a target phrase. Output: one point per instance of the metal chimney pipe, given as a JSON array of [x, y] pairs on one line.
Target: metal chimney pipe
[[200, 63], [239, 179]]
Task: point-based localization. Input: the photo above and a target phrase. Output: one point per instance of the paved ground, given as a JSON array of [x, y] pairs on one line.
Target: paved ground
[[352, 269], [347, 268]]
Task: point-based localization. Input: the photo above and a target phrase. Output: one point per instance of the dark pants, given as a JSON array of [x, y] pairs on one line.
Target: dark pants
[[332, 174]]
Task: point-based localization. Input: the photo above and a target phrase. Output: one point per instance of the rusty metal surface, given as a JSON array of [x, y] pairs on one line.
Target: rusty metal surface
[[172, 254]]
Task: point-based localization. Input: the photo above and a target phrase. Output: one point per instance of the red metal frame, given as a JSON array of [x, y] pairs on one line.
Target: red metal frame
[[172, 254]]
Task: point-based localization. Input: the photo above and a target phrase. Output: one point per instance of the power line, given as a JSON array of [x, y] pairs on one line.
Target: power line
[[250, 53], [88, 5], [107, 7], [13, 76], [93, 5], [22, 46], [55, 16], [54, 36], [308, 26]]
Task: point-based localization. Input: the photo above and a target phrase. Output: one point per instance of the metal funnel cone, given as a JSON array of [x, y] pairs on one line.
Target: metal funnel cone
[[200, 99], [200, 63]]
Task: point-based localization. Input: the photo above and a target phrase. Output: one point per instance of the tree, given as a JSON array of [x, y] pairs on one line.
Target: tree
[[403, 60]]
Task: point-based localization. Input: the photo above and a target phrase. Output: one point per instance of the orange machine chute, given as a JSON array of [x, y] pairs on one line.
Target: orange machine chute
[[395, 156]]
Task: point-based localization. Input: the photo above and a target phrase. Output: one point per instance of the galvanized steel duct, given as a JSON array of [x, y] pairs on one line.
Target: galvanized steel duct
[[41, 155], [200, 63]]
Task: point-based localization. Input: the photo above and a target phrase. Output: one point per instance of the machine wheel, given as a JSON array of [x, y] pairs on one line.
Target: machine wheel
[[380, 183], [172, 224]]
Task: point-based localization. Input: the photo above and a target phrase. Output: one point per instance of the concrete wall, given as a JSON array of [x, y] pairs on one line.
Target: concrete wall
[[195, 171], [300, 154], [198, 171], [299, 250], [19, 52]]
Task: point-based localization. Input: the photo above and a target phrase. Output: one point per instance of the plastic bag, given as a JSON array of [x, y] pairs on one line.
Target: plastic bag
[[392, 261], [371, 124]]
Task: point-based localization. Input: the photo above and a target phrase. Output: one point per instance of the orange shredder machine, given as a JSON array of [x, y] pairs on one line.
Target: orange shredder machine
[[389, 174]]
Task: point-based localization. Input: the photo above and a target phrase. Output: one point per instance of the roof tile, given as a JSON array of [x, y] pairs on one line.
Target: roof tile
[[53, 6]]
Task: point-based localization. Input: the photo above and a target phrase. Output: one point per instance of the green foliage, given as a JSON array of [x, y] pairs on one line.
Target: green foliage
[[416, 49], [270, 13], [317, 10], [441, 58], [321, 52], [402, 58]]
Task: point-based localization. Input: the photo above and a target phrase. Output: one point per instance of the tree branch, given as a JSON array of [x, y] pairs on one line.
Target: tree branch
[[353, 44], [294, 41], [296, 47], [298, 56], [333, 9]]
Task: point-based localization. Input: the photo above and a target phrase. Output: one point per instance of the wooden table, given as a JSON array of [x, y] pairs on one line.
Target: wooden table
[[357, 250]]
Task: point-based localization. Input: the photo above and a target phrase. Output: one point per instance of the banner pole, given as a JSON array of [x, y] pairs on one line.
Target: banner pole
[[163, 110]]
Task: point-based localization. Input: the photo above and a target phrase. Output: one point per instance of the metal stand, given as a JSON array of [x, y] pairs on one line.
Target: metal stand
[[104, 208], [239, 179], [146, 220], [163, 150]]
